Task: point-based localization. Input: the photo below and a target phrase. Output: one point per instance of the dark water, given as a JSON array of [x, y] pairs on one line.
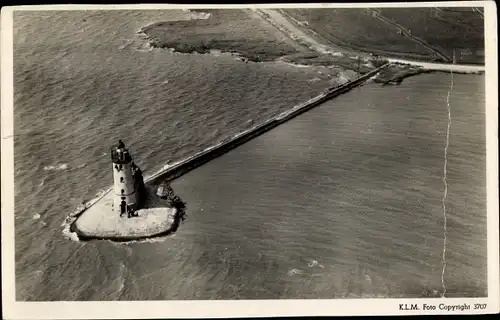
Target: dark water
[[344, 201]]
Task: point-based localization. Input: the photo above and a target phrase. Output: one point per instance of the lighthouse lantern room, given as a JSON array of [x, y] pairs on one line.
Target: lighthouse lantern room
[[125, 184]]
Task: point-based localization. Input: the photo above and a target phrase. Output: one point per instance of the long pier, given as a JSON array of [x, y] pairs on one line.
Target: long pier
[[171, 172], [182, 167]]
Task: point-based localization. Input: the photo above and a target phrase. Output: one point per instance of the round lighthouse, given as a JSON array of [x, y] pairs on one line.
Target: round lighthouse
[[125, 186]]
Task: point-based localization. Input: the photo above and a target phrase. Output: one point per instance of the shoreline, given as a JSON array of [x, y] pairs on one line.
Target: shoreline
[[308, 47]]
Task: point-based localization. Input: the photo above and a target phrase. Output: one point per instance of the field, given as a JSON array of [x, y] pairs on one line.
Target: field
[[448, 29], [357, 29], [428, 32]]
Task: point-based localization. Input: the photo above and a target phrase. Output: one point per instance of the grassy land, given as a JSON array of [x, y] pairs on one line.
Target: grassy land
[[361, 29], [233, 31], [357, 29], [445, 28], [240, 32], [417, 33]]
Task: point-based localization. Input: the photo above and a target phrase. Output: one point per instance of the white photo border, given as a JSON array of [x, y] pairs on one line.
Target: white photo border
[[241, 308]]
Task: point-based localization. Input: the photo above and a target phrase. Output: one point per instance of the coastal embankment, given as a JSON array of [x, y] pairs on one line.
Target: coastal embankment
[[443, 67], [398, 70]]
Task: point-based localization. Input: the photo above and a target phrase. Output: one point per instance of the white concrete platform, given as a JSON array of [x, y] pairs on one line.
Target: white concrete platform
[[101, 221]]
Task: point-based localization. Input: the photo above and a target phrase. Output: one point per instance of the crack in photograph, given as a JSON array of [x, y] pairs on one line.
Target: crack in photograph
[[249, 153]]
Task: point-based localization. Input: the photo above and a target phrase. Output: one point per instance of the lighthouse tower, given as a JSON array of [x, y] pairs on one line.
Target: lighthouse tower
[[126, 195]]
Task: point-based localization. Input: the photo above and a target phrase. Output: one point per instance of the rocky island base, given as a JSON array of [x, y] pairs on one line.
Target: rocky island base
[[159, 217]]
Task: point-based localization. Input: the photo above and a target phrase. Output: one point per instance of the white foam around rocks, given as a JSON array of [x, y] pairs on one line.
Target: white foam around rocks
[[100, 220]]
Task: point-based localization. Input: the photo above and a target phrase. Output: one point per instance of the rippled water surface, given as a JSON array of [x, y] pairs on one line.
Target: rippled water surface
[[343, 201]]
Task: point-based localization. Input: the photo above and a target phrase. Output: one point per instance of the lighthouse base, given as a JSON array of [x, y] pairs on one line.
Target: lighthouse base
[[100, 221]]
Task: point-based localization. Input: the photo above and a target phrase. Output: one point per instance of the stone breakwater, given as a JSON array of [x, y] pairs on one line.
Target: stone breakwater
[[182, 167], [162, 223]]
